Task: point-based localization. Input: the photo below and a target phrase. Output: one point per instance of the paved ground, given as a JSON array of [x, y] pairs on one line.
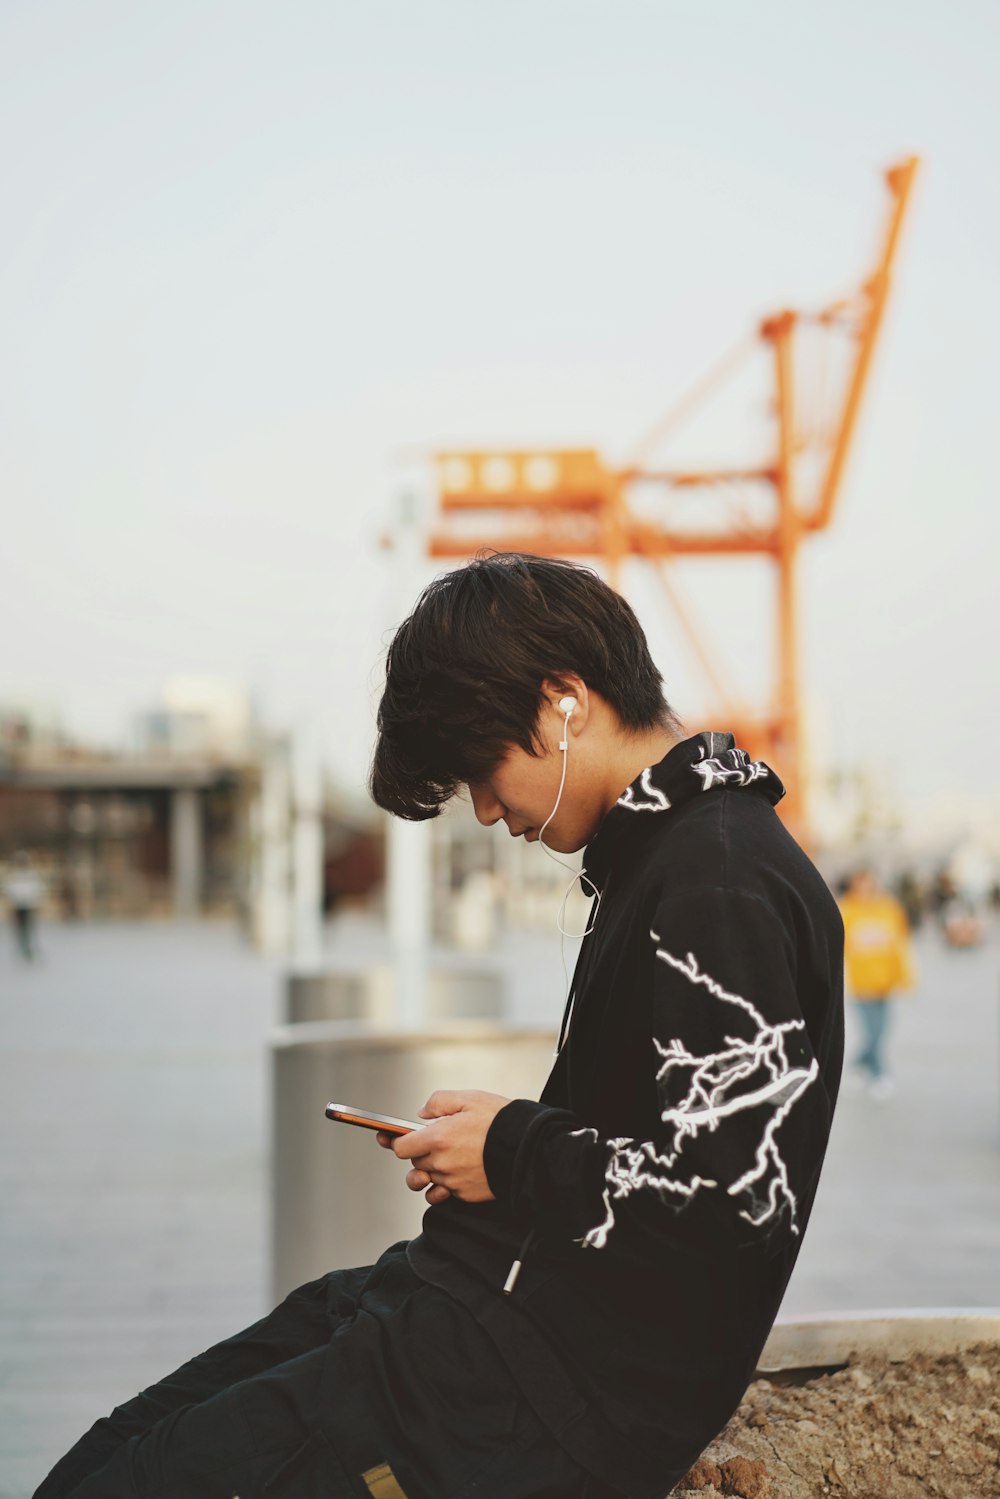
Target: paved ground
[[133, 1162]]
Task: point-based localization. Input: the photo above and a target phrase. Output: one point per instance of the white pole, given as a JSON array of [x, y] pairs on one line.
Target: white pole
[[273, 903], [409, 902], [408, 846], [307, 849], [186, 851]]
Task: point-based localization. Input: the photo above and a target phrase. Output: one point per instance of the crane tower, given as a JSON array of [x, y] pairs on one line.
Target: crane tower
[[571, 503]]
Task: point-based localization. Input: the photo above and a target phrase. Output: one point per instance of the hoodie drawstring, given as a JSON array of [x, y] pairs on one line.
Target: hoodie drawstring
[[515, 1268]]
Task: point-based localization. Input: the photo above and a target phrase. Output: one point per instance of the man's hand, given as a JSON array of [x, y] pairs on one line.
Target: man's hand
[[447, 1153]]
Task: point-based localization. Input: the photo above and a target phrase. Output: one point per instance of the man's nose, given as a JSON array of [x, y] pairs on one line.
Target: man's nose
[[487, 807]]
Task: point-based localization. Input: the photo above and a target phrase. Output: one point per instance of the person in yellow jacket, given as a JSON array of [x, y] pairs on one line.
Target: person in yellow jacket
[[878, 963]]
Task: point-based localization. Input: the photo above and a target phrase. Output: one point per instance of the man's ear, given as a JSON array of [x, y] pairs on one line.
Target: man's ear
[[557, 691]]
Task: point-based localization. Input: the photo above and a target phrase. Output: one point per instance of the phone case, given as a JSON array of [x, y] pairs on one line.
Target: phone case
[[368, 1119]]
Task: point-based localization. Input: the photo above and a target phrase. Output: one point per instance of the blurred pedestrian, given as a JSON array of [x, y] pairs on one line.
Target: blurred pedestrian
[[911, 898], [878, 964], [24, 891]]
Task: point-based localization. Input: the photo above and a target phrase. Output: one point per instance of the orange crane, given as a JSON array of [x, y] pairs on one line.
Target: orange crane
[[570, 503]]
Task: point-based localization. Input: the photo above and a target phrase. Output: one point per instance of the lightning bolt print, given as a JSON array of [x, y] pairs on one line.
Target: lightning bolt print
[[657, 802], [733, 768], [705, 1092]]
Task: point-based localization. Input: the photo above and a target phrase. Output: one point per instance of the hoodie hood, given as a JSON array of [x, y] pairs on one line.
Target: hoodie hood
[[705, 762]]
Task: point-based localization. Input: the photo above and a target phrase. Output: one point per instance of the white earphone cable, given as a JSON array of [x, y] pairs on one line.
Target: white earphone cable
[[578, 874]]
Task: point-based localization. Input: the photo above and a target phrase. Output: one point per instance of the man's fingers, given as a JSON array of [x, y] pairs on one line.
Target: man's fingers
[[418, 1142], [419, 1181], [444, 1101]]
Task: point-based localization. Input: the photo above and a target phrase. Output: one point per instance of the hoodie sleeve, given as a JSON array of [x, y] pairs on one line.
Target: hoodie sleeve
[[743, 1113]]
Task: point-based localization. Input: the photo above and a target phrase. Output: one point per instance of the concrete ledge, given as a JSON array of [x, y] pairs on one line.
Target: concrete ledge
[[831, 1337]]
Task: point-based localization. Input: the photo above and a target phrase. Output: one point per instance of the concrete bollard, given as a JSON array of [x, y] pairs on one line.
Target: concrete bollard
[[369, 995], [337, 1199]]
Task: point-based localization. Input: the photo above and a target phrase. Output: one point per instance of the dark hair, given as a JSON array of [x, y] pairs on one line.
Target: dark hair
[[464, 672]]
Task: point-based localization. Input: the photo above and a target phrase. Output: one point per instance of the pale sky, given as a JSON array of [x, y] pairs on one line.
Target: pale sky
[[252, 252]]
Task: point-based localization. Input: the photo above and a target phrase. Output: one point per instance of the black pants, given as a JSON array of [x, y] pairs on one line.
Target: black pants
[[364, 1383]]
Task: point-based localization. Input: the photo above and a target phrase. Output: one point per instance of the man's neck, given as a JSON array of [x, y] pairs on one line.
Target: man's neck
[[645, 748]]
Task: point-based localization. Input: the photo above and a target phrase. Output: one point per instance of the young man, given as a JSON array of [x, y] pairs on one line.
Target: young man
[[598, 1271]]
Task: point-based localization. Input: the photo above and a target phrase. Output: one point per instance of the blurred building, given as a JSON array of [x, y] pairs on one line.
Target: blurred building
[[199, 716], [157, 831], [196, 819]]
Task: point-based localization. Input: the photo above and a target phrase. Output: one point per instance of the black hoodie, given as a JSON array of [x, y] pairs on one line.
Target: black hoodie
[[657, 1194]]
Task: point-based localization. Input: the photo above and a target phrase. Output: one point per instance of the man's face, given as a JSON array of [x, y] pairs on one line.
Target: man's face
[[522, 790]]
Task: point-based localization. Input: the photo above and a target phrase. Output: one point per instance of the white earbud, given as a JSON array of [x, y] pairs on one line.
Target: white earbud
[[567, 706]]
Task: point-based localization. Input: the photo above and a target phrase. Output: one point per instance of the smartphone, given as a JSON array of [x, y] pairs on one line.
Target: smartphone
[[368, 1119]]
